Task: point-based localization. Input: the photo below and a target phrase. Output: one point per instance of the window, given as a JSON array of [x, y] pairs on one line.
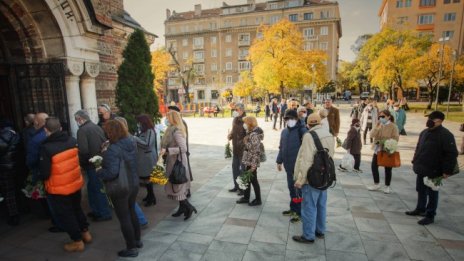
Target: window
[[229, 66], [199, 68], [201, 94], [228, 52], [244, 66], [212, 26], [399, 3], [308, 16], [450, 17], [407, 3], [274, 19], [214, 94], [213, 53], [228, 38], [273, 5], [185, 42], [198, 42], [324, 46], [229, 79], [244, 39], [325, 30], [200, 81], [259, 35], [402, 20], [243, 22], [293, 3], [227, 23], [308, 46], [425, 19], [213, 67], [325, 14], [449, 1], [199, 55], [308, 33], [213, 39], [172, 81], [449, 34], [293, 17], [427, 3], [259, 20], [243, 53], [172, 45], [185, 55]]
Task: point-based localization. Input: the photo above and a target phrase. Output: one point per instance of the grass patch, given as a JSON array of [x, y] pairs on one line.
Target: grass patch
[[456, 113]]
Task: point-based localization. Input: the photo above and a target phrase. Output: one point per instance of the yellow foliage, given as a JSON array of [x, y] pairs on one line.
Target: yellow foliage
[[245, 87], [427, 66], [160, 66]]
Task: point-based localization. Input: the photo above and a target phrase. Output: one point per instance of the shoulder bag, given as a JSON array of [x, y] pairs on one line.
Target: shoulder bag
[[178, 173], [120, 184]]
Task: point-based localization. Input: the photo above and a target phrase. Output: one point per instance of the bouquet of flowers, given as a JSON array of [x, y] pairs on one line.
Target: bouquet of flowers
[[390, 146], [298, 199], [228, 151], [36, 191], [434, 184], [96, 161], [157, 175], [339, 142], [244, 179]]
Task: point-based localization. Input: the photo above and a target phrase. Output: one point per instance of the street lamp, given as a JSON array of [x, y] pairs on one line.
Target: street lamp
[[451, 81], [440, 70]]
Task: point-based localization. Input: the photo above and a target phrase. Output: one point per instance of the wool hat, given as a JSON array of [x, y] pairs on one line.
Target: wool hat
[[174, 108], [354, 121], [437, 115], [290, 114], [314, 119]]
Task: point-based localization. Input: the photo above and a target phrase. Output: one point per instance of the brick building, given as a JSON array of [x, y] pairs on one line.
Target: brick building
[[59, 56]]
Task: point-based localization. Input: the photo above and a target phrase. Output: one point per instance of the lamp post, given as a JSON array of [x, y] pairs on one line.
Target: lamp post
[[451, 82], [440, 70]]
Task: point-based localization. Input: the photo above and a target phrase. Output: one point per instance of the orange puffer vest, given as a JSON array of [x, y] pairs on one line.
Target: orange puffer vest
[[65, 177]]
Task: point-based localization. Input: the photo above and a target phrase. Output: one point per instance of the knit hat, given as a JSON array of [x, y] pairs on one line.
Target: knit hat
[[290, 114], [437, 115], [354, 121], [314, 119]]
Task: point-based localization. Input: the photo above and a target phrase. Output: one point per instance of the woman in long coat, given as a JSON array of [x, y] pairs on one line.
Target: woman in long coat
[[174, 145], [147, 154]]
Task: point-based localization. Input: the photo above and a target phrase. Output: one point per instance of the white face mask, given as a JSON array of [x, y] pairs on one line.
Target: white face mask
[[235, 114], [304, 115], [357, 128], [291, 123], [245, 127]]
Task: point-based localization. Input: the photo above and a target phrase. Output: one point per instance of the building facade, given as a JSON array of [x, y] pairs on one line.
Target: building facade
[[217, 41], [59, 56]]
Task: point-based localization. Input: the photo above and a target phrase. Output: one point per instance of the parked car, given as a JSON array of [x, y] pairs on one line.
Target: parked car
[[364, 96]]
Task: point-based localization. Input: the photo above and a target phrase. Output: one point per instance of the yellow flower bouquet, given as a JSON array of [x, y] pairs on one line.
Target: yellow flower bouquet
[[157, 175]]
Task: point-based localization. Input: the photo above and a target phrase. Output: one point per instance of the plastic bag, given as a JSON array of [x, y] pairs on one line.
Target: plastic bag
[[347, 161]]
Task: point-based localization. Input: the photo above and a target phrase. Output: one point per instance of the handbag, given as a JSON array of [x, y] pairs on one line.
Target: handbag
[[120, 184], [385, 159], [178, 173]]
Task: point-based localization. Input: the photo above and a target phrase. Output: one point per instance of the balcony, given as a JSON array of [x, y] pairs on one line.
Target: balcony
[[199, 60], [198, 47], [311, 37], [242, 56], [244, 43]]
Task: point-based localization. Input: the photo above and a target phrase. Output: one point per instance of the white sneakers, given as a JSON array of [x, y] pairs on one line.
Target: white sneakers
[[375, 187]]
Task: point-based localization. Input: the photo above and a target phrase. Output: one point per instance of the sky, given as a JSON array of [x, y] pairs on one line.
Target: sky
[[358, 17]]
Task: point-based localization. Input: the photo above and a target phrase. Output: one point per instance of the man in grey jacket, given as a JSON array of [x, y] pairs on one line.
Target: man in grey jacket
[[90, 138]]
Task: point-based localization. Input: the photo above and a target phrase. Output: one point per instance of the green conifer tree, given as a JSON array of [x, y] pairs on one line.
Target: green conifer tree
[[135, 91]]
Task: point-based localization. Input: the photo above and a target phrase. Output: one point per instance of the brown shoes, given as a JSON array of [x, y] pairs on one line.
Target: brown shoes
[[86, 237], [76, 246]]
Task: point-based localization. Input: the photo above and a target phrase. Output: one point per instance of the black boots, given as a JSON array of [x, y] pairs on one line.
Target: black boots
[[180, 210], [189, 210], [150, 199]]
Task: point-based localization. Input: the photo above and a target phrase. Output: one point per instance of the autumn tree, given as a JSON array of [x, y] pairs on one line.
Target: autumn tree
[[160, 66], [184, 71], [279, 61]]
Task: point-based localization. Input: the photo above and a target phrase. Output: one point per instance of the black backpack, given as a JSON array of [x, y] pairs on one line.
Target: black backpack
[[321, 175]]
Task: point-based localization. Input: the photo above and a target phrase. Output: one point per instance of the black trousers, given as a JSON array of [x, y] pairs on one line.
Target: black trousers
[[375, 172], [8, 191], [357, 161], [275, 119], [68, 212], [281, 120], [125, 211], [368, 128], [254, 182]]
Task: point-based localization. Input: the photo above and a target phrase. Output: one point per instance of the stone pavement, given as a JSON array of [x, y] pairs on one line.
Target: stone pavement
[[361, 225]]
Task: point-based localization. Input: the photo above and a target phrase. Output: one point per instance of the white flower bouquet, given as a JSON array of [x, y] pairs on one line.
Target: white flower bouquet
[[435, 184], [96, 161], [244, 179], [390, 146]]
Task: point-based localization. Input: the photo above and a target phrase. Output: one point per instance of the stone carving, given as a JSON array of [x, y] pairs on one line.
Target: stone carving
[[74, 67], [108, 68], [92, 68], [105, 48]]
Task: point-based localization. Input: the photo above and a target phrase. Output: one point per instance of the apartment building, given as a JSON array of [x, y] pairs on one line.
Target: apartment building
[[218, 40], [441, 18]]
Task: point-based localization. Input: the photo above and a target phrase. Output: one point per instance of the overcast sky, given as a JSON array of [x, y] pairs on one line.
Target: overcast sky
[[358, 17]]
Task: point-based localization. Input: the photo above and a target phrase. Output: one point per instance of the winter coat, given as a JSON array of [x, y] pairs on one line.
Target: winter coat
[[9, 149], [400, 117], [237, 135], [365, 117], [436, 153], [355, 113], [123, 149], [283, 108], [90, 138], [147, 152], [101, 122], [290, 142], [274, 108], [33, 149], [353, 141], [176, 149], [305, 157], [384, 132], [252, 150], [334, 120]]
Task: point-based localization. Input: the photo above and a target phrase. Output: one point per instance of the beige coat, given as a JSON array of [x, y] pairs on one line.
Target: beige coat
[[385, 132], [176, 148], [305, 157]]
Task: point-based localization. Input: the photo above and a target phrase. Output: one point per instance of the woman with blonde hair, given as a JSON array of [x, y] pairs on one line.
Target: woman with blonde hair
[[251, 158], [174, 145]]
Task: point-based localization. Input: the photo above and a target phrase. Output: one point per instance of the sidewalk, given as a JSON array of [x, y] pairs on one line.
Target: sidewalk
[[361, 225]]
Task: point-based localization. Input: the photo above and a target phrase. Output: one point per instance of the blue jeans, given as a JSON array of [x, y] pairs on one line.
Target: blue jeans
[[140, 215], [424, 192], [313, 211], [295, 207], [98, 201], [237, 168]]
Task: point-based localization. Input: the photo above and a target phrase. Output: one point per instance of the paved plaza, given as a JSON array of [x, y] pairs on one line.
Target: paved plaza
[[361, 225]]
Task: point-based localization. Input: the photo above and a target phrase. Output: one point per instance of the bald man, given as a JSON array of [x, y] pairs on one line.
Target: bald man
[[32, 153]]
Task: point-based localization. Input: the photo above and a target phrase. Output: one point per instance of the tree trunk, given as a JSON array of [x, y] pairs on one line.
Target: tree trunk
[[282, 90]]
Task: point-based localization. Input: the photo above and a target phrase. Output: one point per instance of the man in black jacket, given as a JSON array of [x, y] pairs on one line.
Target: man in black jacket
[[435, 156]]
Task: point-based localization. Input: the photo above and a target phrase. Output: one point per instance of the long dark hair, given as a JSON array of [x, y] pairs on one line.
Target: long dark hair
[[145, 122], [388, 114]]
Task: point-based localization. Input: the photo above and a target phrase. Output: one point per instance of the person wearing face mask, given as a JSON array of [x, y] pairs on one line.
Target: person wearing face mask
[[400, 118], [290, 143], [354, 144], [368, 120], [236, 136], [90, 138], [104, 114], [435, 156], [384, 130], [302, 114]]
